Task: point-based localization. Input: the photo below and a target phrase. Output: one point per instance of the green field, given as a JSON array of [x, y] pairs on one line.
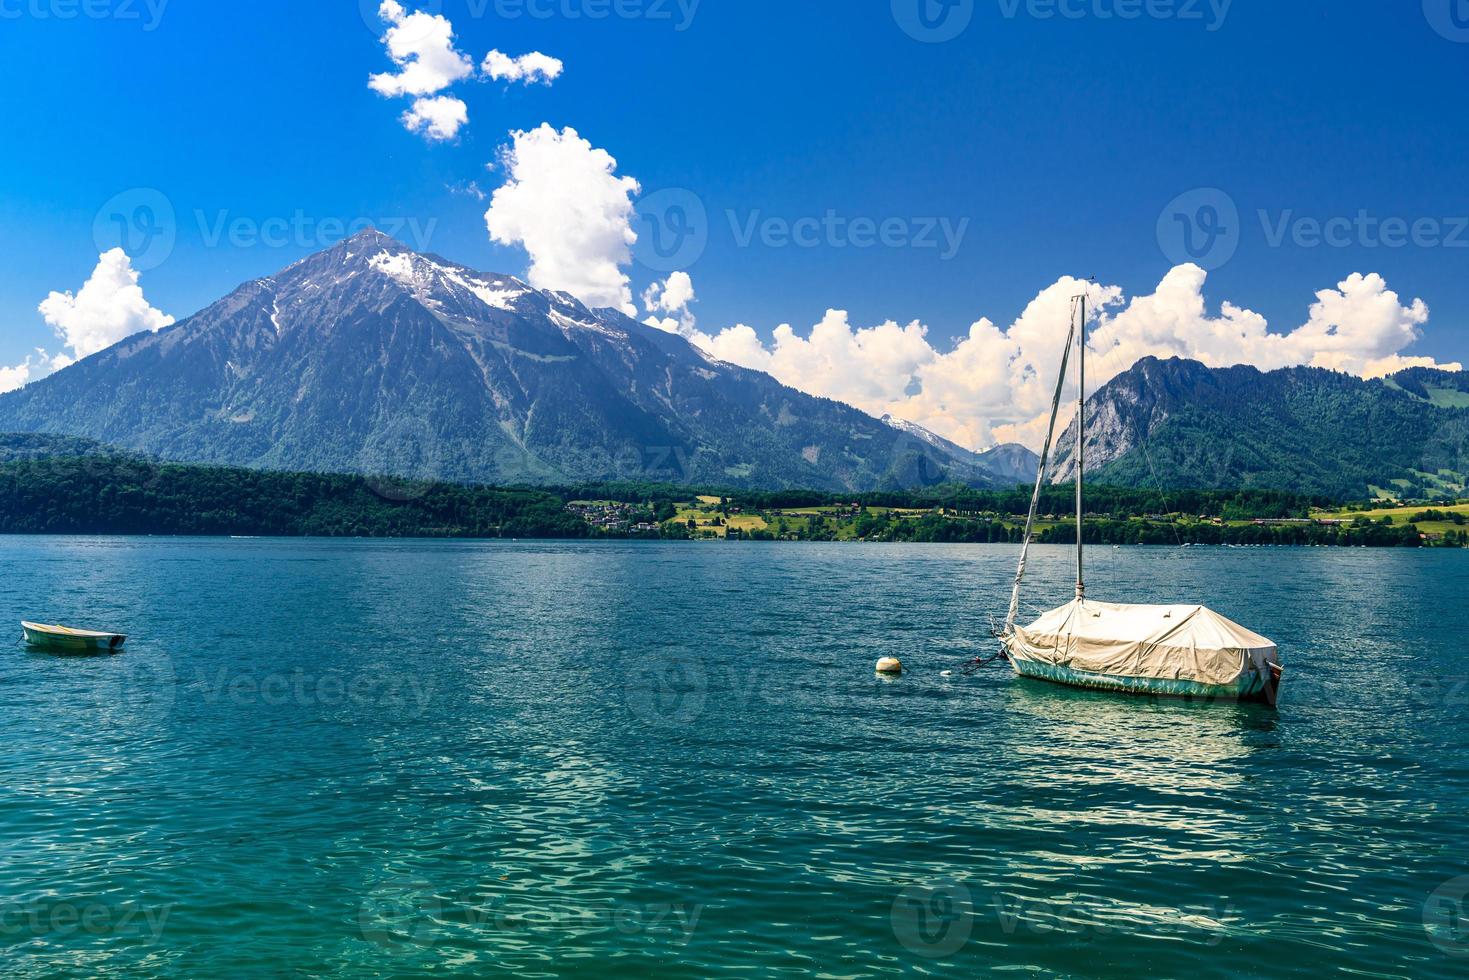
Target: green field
[[1403, 514], [1448, 397], [705, 512]]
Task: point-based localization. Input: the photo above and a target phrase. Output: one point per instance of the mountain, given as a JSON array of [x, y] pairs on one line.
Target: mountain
[[1177, 423], [1009, 462], [370, 358], [20, 446]]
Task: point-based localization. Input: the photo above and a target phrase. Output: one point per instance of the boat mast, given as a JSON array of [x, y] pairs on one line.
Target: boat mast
[[1040, 477], [1080, 441]]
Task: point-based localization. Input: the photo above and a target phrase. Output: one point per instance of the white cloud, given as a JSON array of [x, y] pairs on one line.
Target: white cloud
[[670, 296], [1359, 327], [33, 367], [528, 68], [422, 46], [437, 118], [109, 307], [564, 203], [995, 385]]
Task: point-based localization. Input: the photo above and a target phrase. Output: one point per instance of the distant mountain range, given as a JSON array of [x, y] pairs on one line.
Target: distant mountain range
[[1177, 423], [370, 358]]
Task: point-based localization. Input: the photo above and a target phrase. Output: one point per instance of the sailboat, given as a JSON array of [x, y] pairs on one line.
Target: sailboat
[[1175, 650]]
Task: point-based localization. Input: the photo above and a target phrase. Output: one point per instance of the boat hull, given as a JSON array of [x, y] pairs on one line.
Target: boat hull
[[59, 639], [1250, 686]]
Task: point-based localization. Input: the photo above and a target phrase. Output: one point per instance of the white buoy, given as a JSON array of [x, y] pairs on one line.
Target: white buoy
[[889, 665]]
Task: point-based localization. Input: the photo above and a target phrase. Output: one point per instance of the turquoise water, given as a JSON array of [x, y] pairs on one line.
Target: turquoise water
[[410, 758]]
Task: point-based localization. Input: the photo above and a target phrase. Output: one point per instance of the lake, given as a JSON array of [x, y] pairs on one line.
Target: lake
[[369, 758]]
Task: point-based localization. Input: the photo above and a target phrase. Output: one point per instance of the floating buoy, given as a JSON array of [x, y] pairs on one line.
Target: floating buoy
[[946, 673], [889, 665]]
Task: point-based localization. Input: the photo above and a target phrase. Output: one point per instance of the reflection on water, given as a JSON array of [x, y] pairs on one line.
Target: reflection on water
[[370, 758]]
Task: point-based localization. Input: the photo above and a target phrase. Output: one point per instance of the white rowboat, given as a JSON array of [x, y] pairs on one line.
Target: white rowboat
[[64, 639]]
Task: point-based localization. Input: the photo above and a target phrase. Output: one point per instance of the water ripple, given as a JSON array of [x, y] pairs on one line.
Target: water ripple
[[414, 758]]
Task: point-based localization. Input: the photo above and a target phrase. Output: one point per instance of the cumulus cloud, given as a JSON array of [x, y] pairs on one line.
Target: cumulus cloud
[[1356, 327], [995, 384], [35, 366], [422, 46], [109, 307], [528, 68], [565, 204], [672, 296], [437, 118]]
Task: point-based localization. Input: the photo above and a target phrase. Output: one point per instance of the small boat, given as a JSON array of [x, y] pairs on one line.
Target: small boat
[[1174, 650], [64, 639]]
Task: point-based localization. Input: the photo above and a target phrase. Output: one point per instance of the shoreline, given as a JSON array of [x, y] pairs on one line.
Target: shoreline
[[608, 539]]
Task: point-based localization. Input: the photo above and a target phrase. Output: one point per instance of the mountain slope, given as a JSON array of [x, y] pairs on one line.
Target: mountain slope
[[1009, 463], [370, 358], [1180, 424]]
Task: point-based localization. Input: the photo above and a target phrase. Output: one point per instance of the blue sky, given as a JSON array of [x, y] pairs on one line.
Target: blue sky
[[1054, 133]]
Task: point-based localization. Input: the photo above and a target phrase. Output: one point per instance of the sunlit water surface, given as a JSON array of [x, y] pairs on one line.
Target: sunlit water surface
[[406, 758]]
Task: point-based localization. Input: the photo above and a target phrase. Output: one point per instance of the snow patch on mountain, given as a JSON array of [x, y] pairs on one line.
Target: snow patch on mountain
[[424, 277]]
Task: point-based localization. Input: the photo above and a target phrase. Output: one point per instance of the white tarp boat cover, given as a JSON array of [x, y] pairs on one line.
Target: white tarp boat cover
[[1191, 643]]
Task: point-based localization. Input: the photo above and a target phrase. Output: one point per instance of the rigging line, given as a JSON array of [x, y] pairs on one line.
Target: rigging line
[[1040, 476], [1167, 506]]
